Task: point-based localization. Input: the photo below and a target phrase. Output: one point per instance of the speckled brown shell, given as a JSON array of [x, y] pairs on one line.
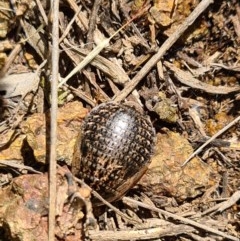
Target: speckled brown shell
[[114, 149]]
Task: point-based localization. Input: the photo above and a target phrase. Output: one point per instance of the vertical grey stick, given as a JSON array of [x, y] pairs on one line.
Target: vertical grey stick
[[53, 122]]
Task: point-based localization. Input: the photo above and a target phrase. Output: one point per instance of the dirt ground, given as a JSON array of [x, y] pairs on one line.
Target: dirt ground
[[176, 61]]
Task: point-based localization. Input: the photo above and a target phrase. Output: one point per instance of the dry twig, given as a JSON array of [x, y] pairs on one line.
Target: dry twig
[[182, 219], [97, 50], [13, 164], [166, 45], [53, 124], [99, 197], [211, 139], [220, 207], [144, 234]]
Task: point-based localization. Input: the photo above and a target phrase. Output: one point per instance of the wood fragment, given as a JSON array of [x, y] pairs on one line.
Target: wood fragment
[[230, 202], [145, 234]]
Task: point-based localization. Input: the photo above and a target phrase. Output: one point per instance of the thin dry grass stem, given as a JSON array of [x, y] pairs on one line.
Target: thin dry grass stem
[[68, 28], [99, 197], [80, 19], [163, 49], [53, 124], [12, 56], [97, 50], [82, 95], [136, 30], [121, 214], [222, 206], [41, 9], [212, 139], [13, 164], [182, 219]]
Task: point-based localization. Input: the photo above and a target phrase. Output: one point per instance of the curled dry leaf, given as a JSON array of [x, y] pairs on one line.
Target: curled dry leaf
[[165, 175], [166, 109]]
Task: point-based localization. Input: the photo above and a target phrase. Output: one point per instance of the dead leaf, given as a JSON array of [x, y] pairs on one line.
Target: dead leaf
[[35, 39], [186, 78], [110, 68], [19, 84]]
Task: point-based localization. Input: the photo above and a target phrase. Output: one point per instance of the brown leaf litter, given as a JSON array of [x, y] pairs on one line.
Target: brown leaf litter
[[190, 90]]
